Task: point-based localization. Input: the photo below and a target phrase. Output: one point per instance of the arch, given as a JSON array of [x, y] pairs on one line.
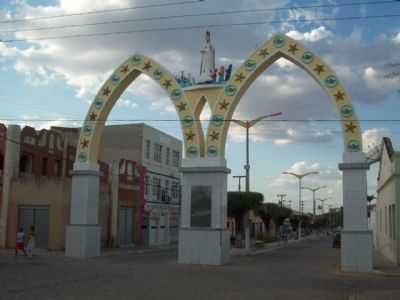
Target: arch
[[281, 46], [111, 90]]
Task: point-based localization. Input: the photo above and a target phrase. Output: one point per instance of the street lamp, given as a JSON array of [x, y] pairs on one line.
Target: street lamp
[[240, 180], [300, 177], [248, 125], [314, 190], [322, 203]]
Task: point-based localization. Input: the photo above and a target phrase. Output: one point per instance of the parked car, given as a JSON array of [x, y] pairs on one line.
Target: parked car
[[336, 240]]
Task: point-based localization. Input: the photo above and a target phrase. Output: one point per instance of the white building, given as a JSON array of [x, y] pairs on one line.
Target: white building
[[387, 204], [160, 153]]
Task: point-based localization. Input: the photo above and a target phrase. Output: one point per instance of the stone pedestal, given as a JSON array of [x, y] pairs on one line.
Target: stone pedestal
[[356, 239], [203, 235], [83, 232]]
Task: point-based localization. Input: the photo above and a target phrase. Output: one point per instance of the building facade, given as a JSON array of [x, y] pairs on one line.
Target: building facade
[[387, 204], [160, 154], [35, 186]]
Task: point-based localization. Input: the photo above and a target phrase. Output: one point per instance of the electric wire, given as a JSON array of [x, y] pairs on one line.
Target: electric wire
[[220, 13], [103, 11], [203, 26]]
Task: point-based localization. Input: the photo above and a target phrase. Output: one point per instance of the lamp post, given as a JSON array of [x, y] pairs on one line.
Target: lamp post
[[314, 190], [248, 125], [300, 177], [240, 180]]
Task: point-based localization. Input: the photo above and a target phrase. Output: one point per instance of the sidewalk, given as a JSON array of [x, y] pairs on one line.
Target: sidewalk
[[271, 246], [385, 267], [104, 251]]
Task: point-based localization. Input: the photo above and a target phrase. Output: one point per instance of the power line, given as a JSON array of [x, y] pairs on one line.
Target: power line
[[220, 13], [205, 26], [201, 120], [103, 11]]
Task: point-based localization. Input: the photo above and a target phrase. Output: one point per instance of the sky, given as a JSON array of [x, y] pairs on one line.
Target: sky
[[51, 82]]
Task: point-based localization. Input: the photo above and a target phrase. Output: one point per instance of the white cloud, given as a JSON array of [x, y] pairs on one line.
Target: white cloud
[[373, 137], [312, 36]]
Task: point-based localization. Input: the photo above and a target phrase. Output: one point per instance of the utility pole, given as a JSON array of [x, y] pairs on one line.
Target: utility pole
[[239, 177], [248, 125], [281, 201]]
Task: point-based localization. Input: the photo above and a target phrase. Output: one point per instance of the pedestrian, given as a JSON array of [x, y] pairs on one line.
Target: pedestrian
[[20, 242], [31, 241]]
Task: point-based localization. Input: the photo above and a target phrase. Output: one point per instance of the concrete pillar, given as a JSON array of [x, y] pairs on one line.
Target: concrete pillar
[[83, 232], [204, 181], [356, 238], [114, 203], [11, 169]]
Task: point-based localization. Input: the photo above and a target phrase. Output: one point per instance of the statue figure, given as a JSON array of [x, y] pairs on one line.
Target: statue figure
[[207, 65], [228, 72]]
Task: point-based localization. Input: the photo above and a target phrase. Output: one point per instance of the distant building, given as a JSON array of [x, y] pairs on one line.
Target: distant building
[[35, 185], [388, 203], [160, 154]]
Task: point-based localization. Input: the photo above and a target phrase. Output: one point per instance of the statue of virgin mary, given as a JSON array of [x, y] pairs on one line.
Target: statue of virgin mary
[[207, 65]]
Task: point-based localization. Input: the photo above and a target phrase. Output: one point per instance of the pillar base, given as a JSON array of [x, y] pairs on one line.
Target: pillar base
[[203, 246], [82, 241], [356, 251]]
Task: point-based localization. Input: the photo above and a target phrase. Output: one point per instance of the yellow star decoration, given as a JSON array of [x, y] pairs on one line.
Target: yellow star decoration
[[339, 96], [350, 127], [293, 48], [190, 135], [223, 105], [181, 106], [263, 52], [319, 69], [214, 135], [239, 77]]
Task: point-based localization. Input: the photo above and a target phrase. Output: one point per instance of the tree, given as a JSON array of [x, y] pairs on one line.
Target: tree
[[241, 202]]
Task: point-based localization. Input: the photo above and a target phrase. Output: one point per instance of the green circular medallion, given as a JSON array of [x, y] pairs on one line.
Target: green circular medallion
[[307, 57], [331, 81], [230, 90]]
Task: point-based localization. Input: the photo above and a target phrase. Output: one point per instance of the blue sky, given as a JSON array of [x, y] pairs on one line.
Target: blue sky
[[56, 80]]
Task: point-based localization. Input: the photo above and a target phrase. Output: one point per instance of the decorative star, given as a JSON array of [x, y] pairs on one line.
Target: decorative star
[[167, 83], [223, 105], [84, 144], [350, 127], [92, 116], [190, 136], [181, 106], [106, 91], [214, 135], [147, 66], [293, 48], [124, 69], [239, 77], [339, 95], [263, 52], [319, 69]]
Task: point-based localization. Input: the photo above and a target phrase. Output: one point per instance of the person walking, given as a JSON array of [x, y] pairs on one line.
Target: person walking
[[20, 242], [31, 241]]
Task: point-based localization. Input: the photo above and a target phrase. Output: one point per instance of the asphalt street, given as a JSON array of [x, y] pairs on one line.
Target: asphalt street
[[307, 270]]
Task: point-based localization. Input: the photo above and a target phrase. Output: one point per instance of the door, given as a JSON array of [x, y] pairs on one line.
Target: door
[[125, 226], [37, 216]]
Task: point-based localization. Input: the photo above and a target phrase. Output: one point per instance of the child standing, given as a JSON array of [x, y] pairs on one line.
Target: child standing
[[20, 245], [31, 241]]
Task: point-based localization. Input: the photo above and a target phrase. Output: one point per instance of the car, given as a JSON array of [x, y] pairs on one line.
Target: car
[[336, 240]]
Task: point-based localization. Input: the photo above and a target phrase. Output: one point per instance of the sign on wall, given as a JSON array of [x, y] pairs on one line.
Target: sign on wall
[[200, 206]]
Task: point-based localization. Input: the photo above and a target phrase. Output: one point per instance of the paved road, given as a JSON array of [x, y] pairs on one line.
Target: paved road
[[307, 270]]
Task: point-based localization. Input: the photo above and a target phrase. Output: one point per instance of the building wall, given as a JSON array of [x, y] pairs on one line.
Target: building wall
[[44, 179], [387, 218]]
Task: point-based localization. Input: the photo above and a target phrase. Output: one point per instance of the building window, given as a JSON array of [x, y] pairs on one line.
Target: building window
[[158, 153], [146, 185], [58, 167], [156, 188], [25, 164], [44, 166], [386, 220], [147, 150], [167, 154], [175, 158], [165, 194], [175, 190]]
